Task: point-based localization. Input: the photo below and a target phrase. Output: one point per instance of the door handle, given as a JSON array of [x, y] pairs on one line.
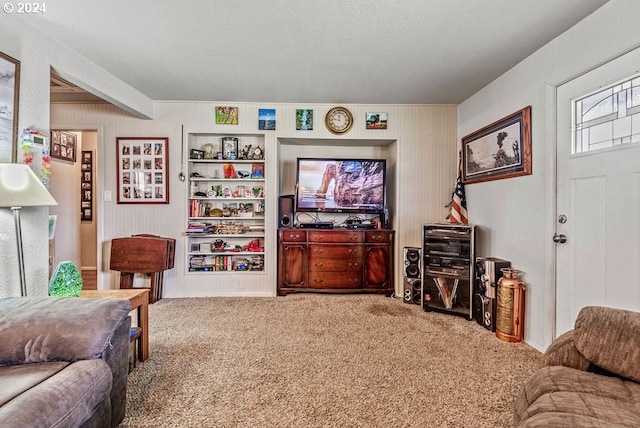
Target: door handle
[[559, 239]]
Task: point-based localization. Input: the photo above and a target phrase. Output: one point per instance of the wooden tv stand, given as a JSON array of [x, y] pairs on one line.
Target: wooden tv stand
[[335, 261]]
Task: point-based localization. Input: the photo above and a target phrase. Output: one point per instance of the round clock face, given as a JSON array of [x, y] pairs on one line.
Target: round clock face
[[339, 120]]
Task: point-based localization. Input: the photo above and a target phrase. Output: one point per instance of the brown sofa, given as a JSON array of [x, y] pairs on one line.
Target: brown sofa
[[590, 375]]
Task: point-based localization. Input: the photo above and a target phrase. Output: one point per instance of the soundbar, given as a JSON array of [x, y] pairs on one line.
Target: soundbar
[[317, 225]]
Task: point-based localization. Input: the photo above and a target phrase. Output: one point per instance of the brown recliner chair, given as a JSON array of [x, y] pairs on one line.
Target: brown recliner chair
[[590, 375]]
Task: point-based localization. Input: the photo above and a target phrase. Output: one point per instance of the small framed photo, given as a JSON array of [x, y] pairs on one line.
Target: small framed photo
[[143, 170], [376, 120], [267, 119], [63, 145], [304, 120], [226, 115]]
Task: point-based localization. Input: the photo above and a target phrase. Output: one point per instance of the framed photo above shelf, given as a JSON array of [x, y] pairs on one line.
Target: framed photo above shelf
[[143, 170], [500, 150]]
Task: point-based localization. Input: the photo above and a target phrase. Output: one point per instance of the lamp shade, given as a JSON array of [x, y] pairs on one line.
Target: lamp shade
[[20, 187]]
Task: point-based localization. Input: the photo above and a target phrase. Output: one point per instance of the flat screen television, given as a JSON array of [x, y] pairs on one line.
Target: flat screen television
[[340, 185]]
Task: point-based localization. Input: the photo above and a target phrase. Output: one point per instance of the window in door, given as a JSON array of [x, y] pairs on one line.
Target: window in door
[[607, 118]]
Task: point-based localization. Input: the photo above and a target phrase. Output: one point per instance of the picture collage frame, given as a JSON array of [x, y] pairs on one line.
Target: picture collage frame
[[143, 170]]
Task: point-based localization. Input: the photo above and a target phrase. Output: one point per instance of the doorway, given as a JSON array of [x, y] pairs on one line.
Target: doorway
[[75, 237], [598, 190]]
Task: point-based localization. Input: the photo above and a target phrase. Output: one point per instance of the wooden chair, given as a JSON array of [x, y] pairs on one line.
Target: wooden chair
[[142, 254]]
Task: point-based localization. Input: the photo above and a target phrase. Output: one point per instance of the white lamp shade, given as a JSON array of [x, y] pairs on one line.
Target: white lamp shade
[[20, 187]]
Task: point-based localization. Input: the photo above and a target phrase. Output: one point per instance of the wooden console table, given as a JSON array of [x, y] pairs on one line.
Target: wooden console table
[[139, 299], [335, 261]]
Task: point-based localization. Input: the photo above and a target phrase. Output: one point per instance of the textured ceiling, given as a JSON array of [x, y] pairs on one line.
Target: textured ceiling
[[303, 51]]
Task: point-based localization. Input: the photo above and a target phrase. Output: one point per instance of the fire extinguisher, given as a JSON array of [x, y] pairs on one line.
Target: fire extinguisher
[[510, 306]]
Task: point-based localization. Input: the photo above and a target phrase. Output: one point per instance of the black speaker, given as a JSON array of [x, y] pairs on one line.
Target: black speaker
[[411, 273], [487, 273], [412, 262], [285, 211], [412, 290]]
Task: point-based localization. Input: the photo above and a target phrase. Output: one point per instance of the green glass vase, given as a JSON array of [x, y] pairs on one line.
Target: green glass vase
[[66, 281]]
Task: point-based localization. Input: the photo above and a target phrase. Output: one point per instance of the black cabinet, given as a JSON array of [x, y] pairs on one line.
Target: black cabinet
[[448, 252]]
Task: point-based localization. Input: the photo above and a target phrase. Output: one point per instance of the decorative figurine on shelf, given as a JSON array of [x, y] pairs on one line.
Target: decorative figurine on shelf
[[208, 151], [66, 281], [229, 171]]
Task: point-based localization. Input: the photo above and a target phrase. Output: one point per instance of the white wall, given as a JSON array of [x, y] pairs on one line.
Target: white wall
[[517, 216], [38, 54], [423, 157]]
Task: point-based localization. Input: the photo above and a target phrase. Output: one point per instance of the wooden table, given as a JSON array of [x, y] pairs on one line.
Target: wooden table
[[139, 299]]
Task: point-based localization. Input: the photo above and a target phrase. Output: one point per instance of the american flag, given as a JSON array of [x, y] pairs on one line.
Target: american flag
[[459, 204]]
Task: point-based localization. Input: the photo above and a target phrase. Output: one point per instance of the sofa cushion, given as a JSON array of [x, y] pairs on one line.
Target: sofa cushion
[[39, 329], [563, 352], [559, 396], [609, 338], [17, 379], [67, 399]]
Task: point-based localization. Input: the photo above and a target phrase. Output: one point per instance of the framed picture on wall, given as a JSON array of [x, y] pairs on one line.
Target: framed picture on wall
[[499, 150], [9, 88], [86, 186], [143, 170], [63, 145]]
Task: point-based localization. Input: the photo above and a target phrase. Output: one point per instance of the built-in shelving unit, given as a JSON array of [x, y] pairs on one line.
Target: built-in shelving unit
[[226, 204]]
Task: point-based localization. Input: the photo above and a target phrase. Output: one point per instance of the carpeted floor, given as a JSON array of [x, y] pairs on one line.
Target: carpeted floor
[[312, 360]]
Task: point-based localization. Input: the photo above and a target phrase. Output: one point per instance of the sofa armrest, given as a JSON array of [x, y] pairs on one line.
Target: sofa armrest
[[39, 329], [563, 352], [610, 339]]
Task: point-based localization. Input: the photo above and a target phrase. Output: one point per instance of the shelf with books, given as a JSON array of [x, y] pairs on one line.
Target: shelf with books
[[226, 203]]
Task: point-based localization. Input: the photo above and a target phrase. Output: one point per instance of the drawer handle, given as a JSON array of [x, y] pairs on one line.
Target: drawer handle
[[318, 264], [318, 281], [353, 238], [353, 264], [318, 251], [319, 238]]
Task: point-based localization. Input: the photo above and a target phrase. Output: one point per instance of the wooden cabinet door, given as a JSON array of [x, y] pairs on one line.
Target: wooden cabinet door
[[378, 269], [293, 265]]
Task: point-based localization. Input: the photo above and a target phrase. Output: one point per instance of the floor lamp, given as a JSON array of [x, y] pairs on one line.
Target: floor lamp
[[20, 187]]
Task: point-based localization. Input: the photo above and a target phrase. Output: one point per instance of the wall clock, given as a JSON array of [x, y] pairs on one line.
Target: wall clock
[[339, 120]]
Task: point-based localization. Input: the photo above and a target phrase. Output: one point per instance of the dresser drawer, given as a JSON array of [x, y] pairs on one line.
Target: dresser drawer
[[335, 280], [293, 235], [330, 236], [378, 236], [335, 251], [325, 264]]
